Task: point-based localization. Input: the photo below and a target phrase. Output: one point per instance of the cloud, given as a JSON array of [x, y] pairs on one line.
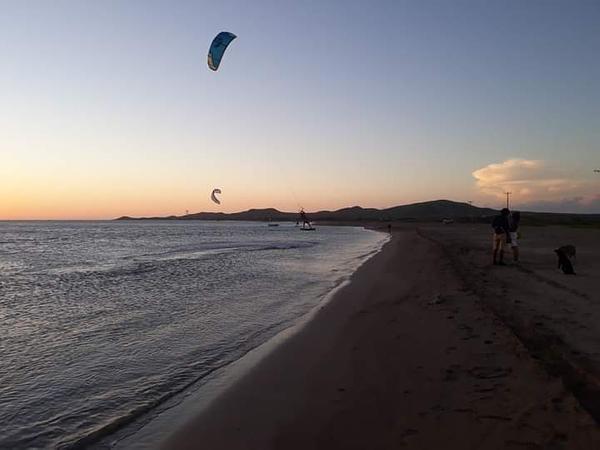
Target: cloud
[[537, 185]]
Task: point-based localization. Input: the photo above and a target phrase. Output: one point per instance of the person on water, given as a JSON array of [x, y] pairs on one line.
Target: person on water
[[305, 221], [501, 236]]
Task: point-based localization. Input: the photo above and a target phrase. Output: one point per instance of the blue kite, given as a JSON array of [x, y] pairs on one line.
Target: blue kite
[[218, 47]]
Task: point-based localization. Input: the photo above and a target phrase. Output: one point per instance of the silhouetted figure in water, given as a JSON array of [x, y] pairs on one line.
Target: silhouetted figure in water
[[501, 236], [390, 228], [304, 219]]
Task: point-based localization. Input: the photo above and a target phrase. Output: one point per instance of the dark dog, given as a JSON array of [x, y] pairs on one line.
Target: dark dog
[[569, 250], [564, 262]]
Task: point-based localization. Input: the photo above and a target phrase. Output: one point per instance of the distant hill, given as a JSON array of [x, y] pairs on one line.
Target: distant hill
[[433, 210], [430, 211]]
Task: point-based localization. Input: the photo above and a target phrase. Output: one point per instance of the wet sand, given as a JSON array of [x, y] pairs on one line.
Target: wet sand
[[411, 354]]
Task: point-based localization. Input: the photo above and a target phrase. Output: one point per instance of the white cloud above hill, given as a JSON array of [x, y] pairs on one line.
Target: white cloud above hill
[[538, 185]]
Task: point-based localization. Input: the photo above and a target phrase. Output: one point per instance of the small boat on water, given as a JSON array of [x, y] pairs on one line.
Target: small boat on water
[[273, 225]]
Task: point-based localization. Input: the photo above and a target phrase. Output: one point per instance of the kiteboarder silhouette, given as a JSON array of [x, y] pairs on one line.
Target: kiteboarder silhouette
[[306, 225]]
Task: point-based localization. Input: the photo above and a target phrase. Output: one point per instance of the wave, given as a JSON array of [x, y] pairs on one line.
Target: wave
[[144, 263], [217, 248], [112, 270], [215, 363]]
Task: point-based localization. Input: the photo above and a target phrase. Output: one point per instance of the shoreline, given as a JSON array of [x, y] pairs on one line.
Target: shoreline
[[195, 398], [403, 355]]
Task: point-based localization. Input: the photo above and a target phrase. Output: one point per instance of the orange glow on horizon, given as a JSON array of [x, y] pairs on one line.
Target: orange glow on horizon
[[109, 202]]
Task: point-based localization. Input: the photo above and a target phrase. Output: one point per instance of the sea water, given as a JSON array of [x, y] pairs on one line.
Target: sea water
[[100, 322]]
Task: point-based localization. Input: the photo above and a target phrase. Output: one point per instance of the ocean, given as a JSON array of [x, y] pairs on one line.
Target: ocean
[[101, 322]]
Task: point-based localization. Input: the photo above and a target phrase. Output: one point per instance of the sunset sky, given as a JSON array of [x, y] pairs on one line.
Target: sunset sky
[[108, 108]]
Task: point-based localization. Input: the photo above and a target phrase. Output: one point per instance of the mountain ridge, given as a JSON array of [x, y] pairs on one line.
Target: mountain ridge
[[433, 210]]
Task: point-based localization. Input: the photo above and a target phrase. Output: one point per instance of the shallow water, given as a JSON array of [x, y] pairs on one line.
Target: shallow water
[[102, 321]]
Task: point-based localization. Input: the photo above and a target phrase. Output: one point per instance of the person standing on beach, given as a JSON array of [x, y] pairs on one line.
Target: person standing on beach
[[513, 228], [501, 235]]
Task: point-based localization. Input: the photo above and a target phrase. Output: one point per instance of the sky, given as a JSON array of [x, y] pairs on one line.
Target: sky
[[108, 108]]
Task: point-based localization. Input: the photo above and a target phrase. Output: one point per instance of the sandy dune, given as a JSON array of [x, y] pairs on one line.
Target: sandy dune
[[409, 355]]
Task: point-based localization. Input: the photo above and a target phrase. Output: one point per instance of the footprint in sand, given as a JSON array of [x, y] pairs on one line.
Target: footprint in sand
[[437, 299], [464, 410], [522, 444], [495, 417], [450, 375], [484, 390], [471, 336], [488, 373], [409, 432], [561, 436]]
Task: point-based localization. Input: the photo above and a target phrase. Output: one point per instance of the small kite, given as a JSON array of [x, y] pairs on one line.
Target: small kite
[[213, 196], [218, 47]]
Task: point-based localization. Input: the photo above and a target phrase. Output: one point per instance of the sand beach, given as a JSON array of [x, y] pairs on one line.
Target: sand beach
[[428, 347]]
